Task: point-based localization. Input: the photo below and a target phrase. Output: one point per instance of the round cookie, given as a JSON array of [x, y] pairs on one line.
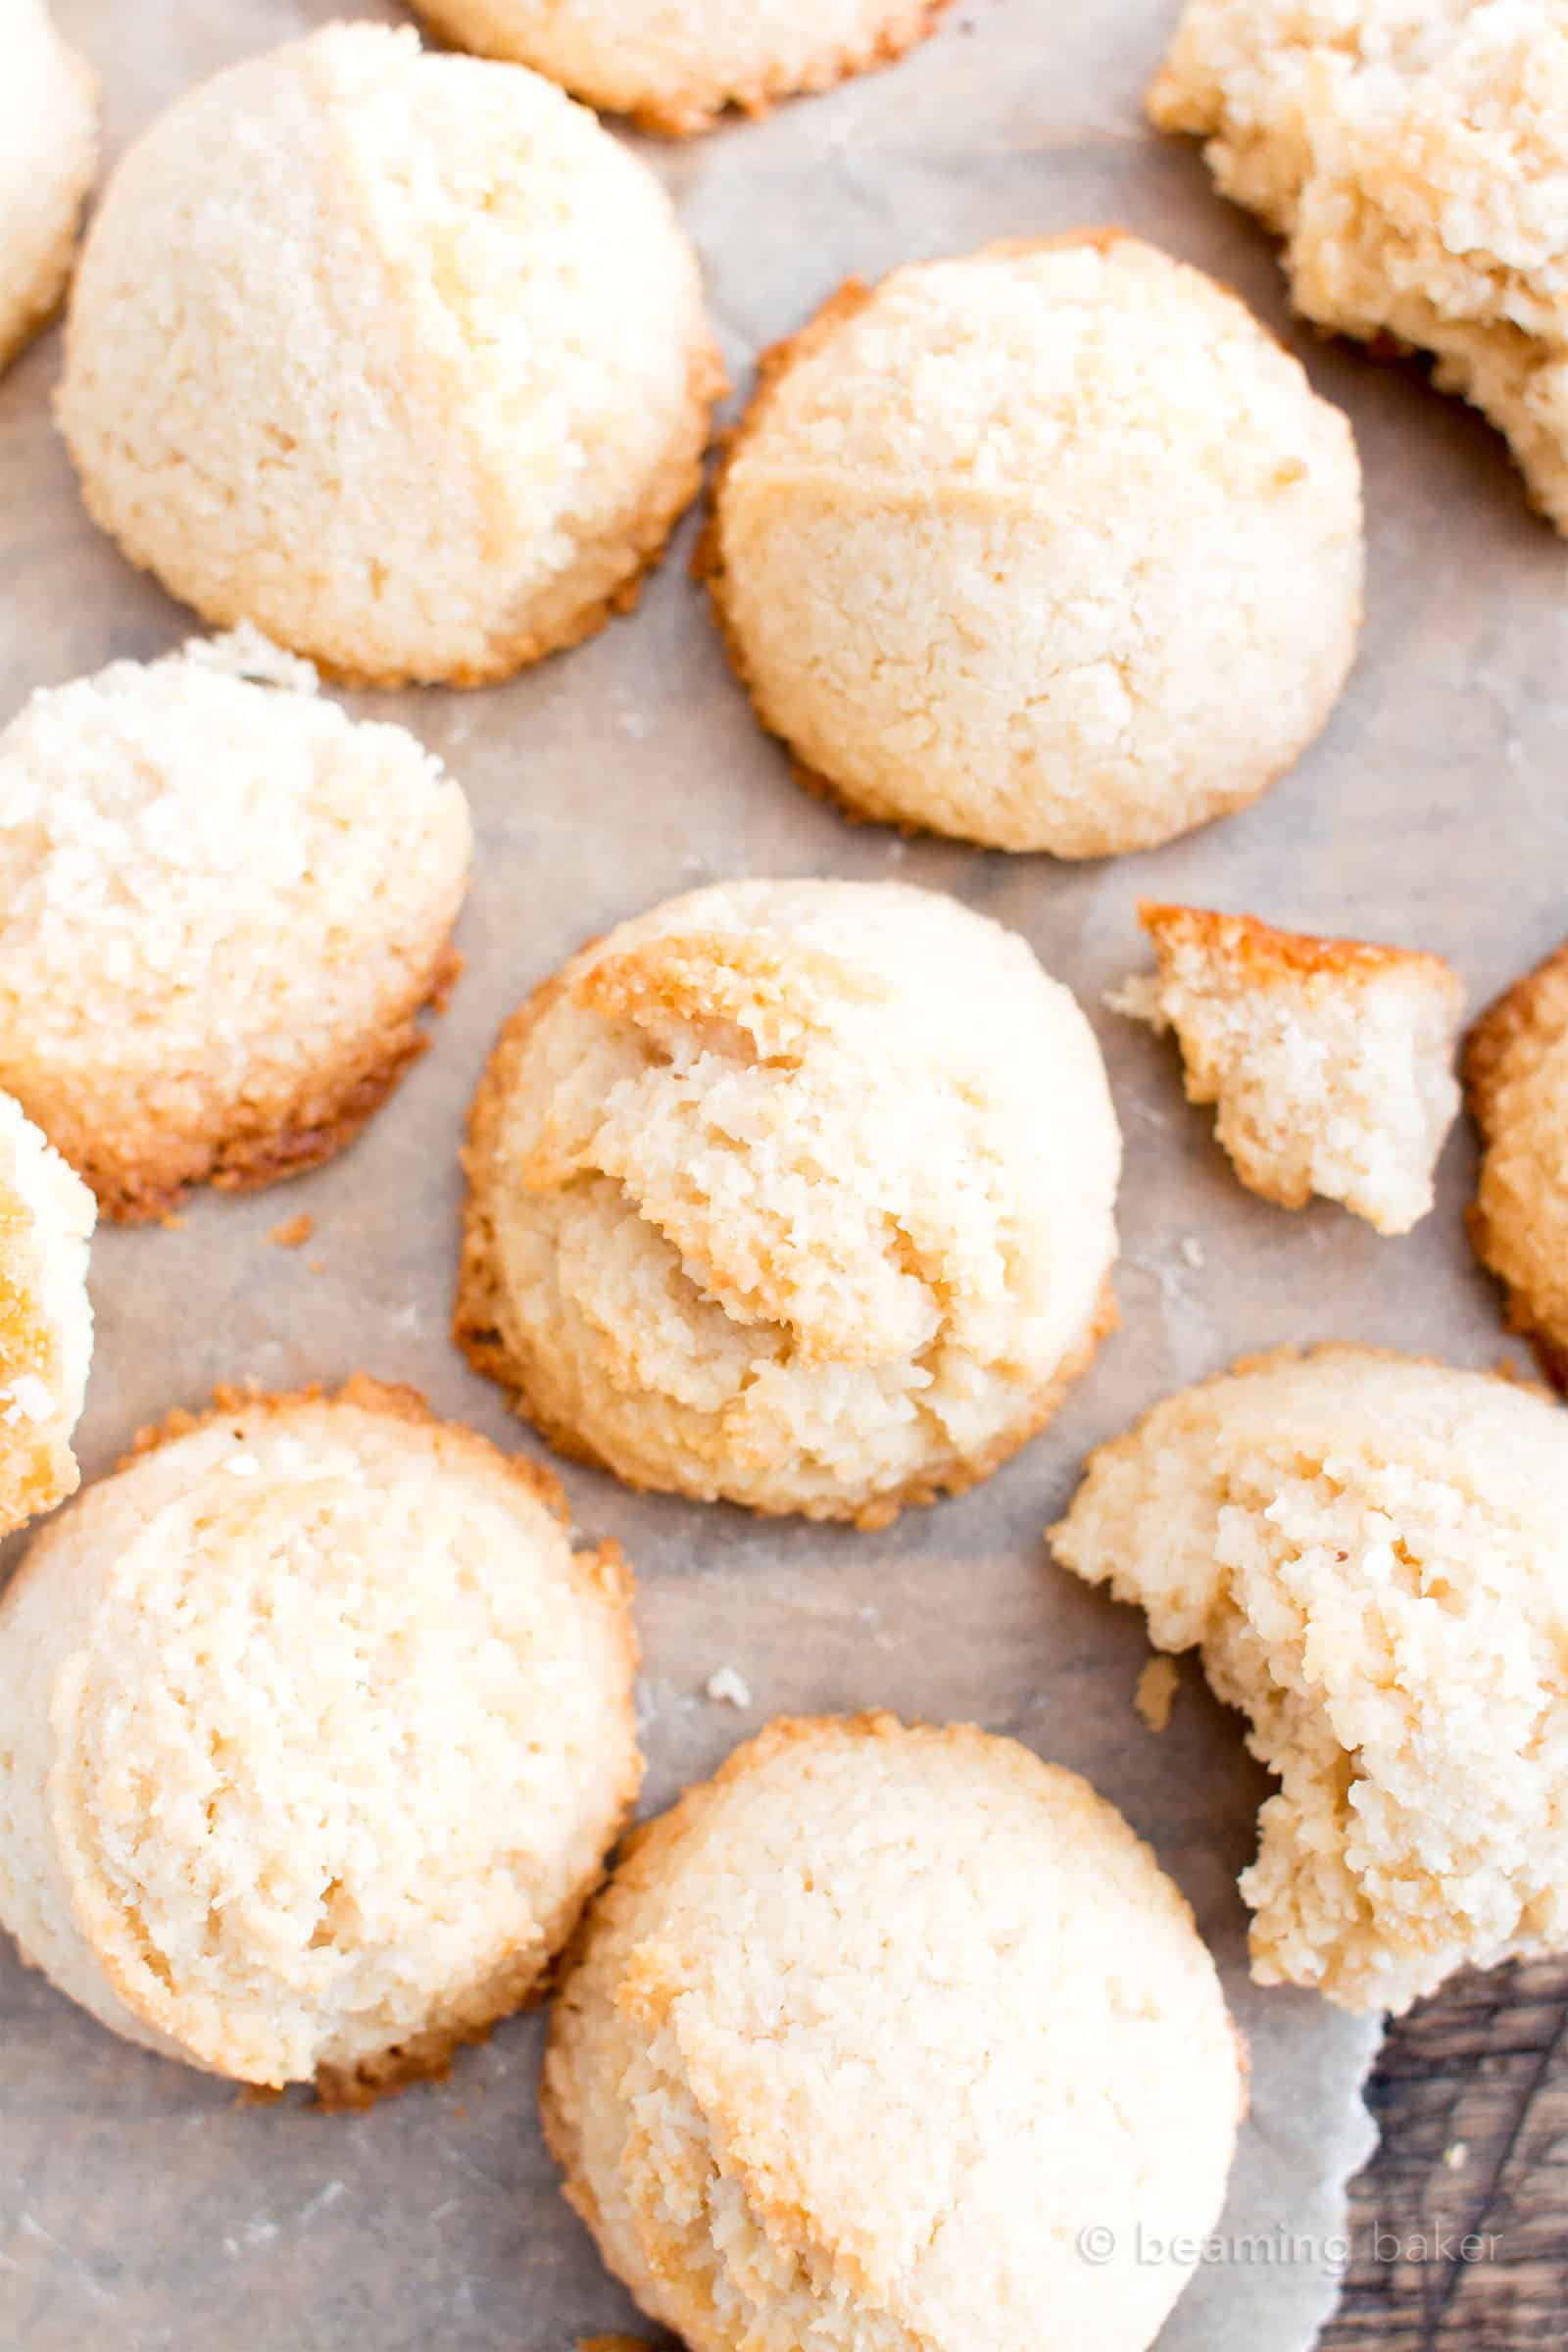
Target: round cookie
[[871, 2035], [226, 904], [1371, 1554], [1516, 1078], [399, 357], [46, 1222], [317, 1734], [48, 155], [1048, 548], [675, 70], [798, 1194]]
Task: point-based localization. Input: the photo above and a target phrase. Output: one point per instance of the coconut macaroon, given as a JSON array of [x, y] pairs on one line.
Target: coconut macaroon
[[871, 2035], [1331, 1061], [316, 1735], [46, 1222], [1048, 548], [399, 357], [1516, 1079], [798, 1194], [48, 155], [677, 68], [226, 905], [1371, 1555], [1415, 160]]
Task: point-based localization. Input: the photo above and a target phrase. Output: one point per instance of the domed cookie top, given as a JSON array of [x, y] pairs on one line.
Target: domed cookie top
[[226, 905], [872, 2034], [399, 356], [316, 1735], [1050, 548], [798, 1194]]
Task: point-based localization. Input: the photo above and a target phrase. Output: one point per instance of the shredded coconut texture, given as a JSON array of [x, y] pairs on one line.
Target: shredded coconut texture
[[224, 904], [313, 1734], [399, 356], [868, 2031], [1331, 1061], [46, 1222], [48, 155], [1371, 1554], [1050, 548], [795, 1193], [676, 67], [1516, 1077], [1413, 154]]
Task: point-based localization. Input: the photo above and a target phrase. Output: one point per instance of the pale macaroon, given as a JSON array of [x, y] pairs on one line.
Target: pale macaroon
[[676, 68], [893, 2038], [318, 1733], [1413, 155], [1516, 1082], [399, 357], [46, 1221], [48, 157], [1370, 1553], [1329, 1061], [227, 905], [1050, 546], [794, 1194]]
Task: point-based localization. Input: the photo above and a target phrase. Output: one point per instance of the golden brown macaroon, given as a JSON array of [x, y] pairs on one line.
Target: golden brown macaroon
[[798, 1194], [1516, 1082], [676, 68], [316, 1734], [227, 905], [871, 2033]]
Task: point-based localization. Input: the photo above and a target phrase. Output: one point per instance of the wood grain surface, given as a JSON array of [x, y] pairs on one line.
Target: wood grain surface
[[1460, 2223]]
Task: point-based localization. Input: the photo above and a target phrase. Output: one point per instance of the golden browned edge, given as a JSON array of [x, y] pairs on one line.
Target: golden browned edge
[[1265, 957], [476, 1326], [689, 114], [1535, 1006], [268, 1141], [672, 494], [428, 2057], [708, 563]]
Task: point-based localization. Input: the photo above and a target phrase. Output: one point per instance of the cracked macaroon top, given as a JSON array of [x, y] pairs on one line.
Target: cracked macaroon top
[[1050, 547], [867, 2032], [795, 1193], [217, 890], [1371, 1553], [316, 1734], [1414, 156]]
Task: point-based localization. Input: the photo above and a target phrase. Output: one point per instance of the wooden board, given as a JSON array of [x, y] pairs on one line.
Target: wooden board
[[1461, 2220]]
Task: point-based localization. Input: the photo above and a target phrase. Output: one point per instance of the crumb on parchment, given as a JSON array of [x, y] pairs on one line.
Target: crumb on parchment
[[1156, 1690]]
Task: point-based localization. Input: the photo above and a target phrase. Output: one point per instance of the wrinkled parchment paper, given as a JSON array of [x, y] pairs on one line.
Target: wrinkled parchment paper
[[142, 2205]]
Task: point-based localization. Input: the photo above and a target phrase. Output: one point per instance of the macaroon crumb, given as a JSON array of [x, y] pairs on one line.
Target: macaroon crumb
[[1329, 1060], [1156, 1690], [728, 1688]]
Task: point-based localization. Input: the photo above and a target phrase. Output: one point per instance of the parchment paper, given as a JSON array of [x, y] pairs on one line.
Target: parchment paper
[[143, 2205]]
